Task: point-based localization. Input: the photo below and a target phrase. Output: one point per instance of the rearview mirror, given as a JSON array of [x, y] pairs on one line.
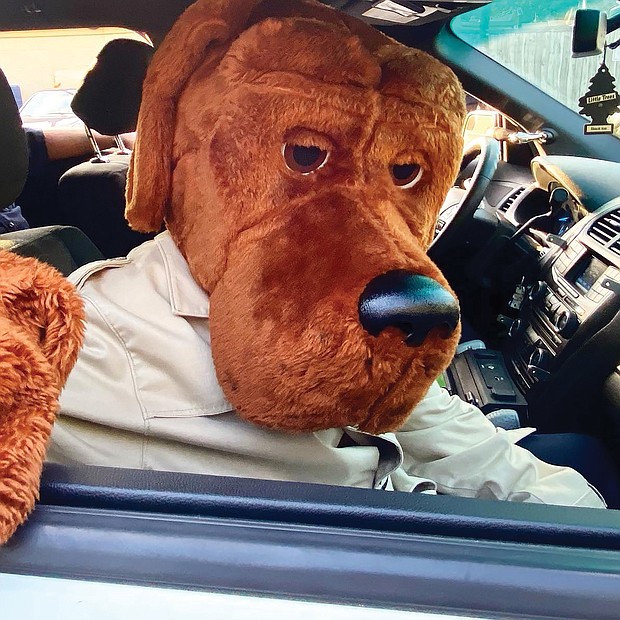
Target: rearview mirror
[[589, 31], [478, 123]]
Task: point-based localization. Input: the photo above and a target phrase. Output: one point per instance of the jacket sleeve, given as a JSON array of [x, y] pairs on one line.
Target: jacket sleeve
[[453, 443]]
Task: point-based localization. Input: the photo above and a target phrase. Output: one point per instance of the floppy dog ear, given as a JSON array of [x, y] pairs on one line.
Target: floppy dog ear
[[204, 27]]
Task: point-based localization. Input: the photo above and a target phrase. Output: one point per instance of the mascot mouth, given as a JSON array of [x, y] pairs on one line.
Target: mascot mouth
[[421, 311], [369, 424], [408, 384]]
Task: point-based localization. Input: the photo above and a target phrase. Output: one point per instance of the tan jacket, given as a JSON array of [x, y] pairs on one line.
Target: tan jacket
[[144, 395]]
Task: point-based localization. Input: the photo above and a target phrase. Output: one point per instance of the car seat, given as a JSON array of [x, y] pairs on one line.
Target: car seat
[[92, 194], [62, 247]]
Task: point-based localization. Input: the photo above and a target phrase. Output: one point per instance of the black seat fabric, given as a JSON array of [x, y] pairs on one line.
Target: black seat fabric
[[92, 198], [92, 194], [62, 247], [39, 198]]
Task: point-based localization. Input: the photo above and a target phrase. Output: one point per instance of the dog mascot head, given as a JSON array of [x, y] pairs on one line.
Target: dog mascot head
[[299, 159]]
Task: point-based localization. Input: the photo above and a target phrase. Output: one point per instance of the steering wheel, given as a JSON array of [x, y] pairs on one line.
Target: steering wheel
[[461, 204]]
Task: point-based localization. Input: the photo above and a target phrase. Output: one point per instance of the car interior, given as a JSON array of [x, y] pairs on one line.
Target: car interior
[[529, 238]]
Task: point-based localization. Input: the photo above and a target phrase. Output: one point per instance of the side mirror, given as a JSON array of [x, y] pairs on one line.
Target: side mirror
[[589, 31]]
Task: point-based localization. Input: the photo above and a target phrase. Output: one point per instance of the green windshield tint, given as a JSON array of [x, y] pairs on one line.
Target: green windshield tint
[[533, 39]]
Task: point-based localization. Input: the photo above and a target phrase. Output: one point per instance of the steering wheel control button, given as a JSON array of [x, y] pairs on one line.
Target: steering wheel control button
[[413, 303]]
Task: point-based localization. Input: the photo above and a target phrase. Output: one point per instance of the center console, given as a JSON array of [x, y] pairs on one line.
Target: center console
[[565, 339], [577, 296], [576, 286]]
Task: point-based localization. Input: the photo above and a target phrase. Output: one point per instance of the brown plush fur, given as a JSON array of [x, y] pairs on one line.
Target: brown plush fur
[[285, 256], [40, 335]]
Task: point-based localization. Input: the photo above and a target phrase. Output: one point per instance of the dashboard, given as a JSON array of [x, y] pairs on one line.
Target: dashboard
[[565, 341], [562, 341]]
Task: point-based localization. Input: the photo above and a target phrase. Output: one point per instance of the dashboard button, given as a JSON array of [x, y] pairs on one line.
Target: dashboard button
[[541, 358], [552, 303], [539, 364], [537, 290], [516, 328], [566, 323], [538, 373]]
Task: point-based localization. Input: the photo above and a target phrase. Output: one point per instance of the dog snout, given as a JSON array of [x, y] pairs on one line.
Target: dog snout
[[412, 303]]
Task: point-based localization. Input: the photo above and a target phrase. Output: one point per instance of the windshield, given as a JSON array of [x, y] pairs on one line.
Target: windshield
[[533, 38]]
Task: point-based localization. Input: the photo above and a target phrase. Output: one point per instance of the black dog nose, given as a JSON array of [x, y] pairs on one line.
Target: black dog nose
[[413, 303]]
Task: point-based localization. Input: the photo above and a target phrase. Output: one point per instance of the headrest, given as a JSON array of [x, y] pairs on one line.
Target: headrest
[[13, 147], [109, 98]]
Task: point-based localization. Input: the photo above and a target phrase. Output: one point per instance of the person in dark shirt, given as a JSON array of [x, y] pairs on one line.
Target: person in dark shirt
[[51, 152], [11, 219]]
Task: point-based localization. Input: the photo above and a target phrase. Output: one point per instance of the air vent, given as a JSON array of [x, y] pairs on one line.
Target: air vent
[[510, 200], [606, 230]]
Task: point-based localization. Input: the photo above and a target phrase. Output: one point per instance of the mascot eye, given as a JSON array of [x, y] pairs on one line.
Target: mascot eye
[[304, 159], [406, 175]]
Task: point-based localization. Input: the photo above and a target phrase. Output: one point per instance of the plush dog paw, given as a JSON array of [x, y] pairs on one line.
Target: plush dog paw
[[40, 335], [28, 403]]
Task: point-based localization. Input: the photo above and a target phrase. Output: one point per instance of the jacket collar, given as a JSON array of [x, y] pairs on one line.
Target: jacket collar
[[186, 297]]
